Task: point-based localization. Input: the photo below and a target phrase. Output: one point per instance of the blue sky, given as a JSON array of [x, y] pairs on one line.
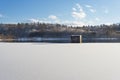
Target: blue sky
[[73, 12]]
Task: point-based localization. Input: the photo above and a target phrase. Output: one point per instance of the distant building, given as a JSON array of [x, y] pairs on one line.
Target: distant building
[[76, 38]]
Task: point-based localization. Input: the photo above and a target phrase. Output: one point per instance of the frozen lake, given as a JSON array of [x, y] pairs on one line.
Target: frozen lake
[[45, 61], [64, 40]]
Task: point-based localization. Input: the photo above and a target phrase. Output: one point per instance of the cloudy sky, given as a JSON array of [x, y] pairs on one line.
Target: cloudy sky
[[71, 12]]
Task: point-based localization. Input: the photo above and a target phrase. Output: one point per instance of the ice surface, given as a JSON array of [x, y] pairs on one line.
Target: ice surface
[[44, 61]]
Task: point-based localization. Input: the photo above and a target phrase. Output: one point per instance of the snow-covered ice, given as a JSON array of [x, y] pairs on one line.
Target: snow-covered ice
[[45, 61]]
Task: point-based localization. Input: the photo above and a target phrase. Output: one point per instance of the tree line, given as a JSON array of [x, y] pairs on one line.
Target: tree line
[[28, 30]]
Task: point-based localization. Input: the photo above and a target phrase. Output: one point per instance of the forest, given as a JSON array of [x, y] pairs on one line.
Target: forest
[[29, 30]]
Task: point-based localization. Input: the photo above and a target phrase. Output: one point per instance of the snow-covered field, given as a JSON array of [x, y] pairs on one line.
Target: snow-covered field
[[44, 61]]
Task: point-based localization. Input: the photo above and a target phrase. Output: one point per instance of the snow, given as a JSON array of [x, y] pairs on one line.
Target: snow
[[45, 61]]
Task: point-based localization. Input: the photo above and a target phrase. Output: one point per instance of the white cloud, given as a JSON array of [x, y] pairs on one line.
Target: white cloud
[[74, 9], [78, 23], [33, 20], [97, 19], [92, 10], [39, 20], [78, 15], [78, 12], [88, 6], [108, 23], [53, 17], [78, 5], [50, 19]]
